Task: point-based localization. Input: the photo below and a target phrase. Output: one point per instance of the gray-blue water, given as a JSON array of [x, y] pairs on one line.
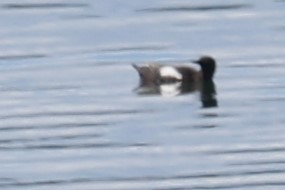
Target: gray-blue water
[[71, 116]]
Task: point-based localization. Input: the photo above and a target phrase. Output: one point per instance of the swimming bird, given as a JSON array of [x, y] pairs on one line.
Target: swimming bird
[[159, 74]]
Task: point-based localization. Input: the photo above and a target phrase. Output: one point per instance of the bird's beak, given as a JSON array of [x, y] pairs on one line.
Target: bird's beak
[[195, 61]]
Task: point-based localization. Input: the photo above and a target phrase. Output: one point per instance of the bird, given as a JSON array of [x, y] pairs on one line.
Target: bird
[[170, 80], [161, 74]]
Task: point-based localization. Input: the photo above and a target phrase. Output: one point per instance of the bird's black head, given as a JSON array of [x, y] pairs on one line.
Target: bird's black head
[[208, 66]]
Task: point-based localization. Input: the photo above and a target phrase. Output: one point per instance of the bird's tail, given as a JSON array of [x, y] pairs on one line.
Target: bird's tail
[[140, 70], [135, 66]]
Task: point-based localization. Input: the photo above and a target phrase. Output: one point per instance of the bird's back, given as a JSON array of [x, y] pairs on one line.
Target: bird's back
[[156, 73], [189, 74]]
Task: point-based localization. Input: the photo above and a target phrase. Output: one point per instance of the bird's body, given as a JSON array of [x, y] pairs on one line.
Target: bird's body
[[158, 74]]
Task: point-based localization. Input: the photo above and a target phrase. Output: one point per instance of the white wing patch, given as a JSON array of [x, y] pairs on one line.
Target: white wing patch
[[170, 72]]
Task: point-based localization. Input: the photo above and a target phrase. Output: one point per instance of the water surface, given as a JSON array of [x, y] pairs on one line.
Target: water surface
[[71, 116]]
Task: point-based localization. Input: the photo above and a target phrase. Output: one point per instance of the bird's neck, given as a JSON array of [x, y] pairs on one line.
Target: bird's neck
[[208, 73]]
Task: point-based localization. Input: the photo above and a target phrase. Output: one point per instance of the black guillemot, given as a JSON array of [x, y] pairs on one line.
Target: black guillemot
[[159, 74]]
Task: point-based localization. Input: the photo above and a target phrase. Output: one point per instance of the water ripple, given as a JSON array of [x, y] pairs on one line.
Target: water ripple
[[43, 5], [74, 146], [74, 113], [249, 150], [177, 182], [26, 56], [52, 138], [263, 162], [133, 48], [195, 8], [53, 126], [39, 88]]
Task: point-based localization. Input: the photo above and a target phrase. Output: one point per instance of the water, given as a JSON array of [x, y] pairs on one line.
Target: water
[[72, 117]]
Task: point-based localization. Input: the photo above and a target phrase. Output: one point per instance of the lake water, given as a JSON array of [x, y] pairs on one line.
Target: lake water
[[72, 116]]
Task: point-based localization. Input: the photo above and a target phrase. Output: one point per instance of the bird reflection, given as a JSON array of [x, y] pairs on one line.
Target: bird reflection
[[206, 89], [208, 94]]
